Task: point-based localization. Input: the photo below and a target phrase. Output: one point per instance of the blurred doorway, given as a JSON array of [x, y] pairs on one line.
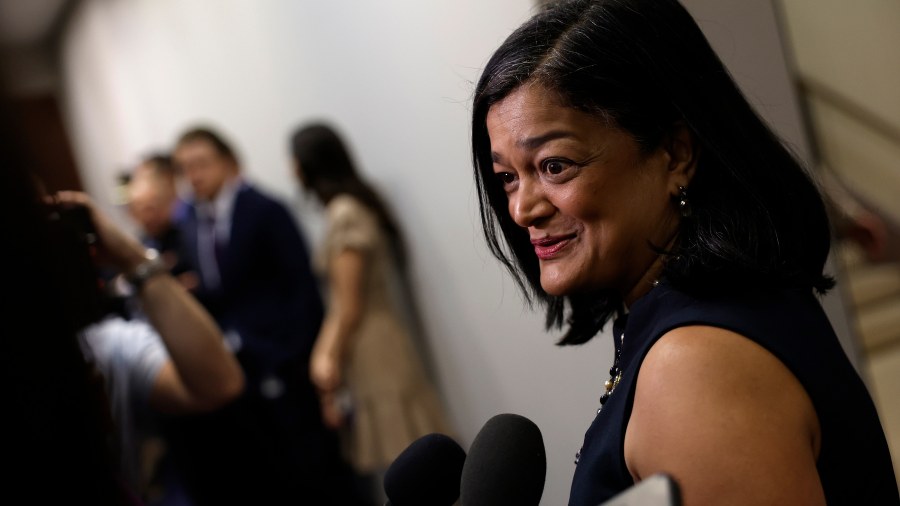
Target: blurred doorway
[[46, 137], [29, 76]]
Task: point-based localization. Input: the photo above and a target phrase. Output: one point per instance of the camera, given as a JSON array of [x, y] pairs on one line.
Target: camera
[[75, 222], [74, 239]]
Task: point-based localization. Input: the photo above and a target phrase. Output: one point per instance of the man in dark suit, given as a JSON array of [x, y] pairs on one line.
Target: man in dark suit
[[253, 275]]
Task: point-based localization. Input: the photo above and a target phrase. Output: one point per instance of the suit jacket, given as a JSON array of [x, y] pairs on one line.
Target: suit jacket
[[268, 294], [267, 446]]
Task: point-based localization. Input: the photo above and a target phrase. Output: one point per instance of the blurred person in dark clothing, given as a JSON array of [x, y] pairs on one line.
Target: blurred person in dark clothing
[[173, 361], [154, 204], [253, 272], [75, 389], [56, 418]]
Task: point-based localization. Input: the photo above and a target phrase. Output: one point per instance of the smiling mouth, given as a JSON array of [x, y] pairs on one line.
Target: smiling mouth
[[549, 247]]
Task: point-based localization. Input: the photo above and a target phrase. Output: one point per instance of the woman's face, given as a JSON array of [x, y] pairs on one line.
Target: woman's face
[[593, 203]]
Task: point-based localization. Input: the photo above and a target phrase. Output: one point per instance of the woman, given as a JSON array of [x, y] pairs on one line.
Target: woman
[[622, 174], [363, 344]]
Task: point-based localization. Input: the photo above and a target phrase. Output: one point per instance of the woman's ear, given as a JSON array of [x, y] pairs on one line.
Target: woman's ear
[[683, 151]]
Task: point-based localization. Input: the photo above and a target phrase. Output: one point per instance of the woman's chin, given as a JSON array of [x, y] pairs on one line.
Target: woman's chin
[[556, 287], [560, 286]]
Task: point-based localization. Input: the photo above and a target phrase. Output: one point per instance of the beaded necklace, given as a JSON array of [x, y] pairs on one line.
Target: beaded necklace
[[615, 372]]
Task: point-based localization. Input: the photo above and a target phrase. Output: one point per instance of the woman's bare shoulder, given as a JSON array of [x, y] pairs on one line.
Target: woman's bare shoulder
[[727, 418]]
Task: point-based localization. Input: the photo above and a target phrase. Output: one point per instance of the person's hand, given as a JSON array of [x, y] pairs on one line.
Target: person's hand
[[332, 414], [325, 370], [325, 373], [115, 246], [189, 280]]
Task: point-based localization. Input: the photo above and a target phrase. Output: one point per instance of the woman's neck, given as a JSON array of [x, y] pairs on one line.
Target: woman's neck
[[649, 279], [645, 283]]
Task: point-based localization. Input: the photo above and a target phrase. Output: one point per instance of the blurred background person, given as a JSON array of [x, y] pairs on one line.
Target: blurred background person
[[154, 204], [151, 200], [254, 276], [81, 380], [56, 417], [172, 362], [366, 365]]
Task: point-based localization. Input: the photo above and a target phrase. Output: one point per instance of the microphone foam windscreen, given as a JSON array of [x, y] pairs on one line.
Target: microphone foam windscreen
[[506, 464], [427, 472]]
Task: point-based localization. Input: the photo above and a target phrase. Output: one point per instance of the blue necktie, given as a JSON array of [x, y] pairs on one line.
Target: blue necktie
[[207, 251]]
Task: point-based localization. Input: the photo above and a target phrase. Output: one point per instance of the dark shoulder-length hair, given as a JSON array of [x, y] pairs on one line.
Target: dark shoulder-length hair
[[758, 221], [328, 170]]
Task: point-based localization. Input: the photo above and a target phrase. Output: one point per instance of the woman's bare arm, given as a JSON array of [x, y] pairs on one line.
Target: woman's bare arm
[[726, 419]]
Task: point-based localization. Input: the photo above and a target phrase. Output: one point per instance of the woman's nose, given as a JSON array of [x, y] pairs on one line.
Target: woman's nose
[[528, 205]]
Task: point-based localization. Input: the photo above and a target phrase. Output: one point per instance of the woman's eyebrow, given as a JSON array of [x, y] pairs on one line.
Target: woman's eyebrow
[[533, 142], [536, 141]]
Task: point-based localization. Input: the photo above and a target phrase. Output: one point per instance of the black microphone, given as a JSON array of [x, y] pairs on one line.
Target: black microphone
[[506, 465], [427, 472]]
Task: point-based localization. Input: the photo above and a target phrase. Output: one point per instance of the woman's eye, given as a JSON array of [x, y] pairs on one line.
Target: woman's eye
[[506, 178], [555, 167]]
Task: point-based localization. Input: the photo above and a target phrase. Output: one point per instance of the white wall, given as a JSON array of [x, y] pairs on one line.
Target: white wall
[[397, 77]]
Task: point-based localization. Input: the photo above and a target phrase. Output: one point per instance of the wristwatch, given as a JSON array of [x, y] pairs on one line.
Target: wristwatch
[[151, 266]]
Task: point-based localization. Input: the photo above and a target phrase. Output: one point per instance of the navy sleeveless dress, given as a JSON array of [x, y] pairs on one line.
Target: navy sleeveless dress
[[854, 464]]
